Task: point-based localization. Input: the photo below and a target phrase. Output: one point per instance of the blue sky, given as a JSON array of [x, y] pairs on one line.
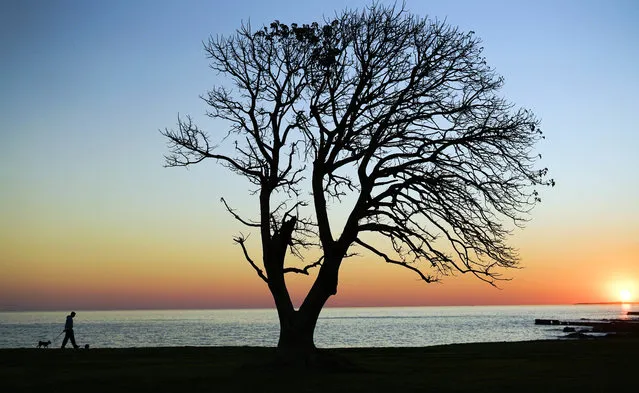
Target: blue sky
[[86, 85]]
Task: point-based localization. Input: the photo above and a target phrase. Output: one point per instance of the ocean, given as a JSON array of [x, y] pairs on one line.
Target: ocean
[[337, 327]]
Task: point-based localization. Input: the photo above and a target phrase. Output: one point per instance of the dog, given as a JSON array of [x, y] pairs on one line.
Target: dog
[[44, 344]]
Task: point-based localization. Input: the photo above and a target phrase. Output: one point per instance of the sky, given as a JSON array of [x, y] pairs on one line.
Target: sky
[[90, 218]]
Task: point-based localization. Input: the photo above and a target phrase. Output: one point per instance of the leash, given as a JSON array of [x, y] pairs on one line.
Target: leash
[[56, 337]]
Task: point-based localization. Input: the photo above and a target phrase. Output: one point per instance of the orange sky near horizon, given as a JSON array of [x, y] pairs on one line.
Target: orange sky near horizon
[[129, 273]]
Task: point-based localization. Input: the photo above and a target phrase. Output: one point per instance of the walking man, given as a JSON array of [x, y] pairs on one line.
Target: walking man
[[68, 331]]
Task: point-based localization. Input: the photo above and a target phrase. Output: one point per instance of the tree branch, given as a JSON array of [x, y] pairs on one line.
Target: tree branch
[[305, 269], [237, 217], [240, 240], [424, 277]]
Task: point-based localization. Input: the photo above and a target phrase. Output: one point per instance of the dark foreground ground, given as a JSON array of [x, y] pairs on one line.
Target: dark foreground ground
[[606, 365]]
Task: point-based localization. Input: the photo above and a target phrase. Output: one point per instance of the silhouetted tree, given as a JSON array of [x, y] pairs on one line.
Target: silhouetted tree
[[397, 117]]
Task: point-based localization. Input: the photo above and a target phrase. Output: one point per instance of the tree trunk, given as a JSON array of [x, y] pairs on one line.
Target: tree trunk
[[298, 339], [296, 346]]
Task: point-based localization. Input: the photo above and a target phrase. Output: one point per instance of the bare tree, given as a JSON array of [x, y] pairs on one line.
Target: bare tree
[[399, 112]]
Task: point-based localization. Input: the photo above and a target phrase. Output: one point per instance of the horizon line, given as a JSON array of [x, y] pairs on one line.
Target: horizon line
[[330, 307]]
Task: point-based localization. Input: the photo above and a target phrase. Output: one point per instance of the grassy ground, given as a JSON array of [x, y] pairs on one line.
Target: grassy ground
[[546, 366]]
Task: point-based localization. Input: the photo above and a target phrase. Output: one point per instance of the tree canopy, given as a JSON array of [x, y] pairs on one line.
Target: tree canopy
[[397, 113]]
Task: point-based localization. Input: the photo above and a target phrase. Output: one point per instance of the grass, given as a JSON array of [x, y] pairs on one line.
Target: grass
[[605, 365]]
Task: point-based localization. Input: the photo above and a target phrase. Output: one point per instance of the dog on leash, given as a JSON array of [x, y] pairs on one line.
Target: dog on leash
[[44, 344]]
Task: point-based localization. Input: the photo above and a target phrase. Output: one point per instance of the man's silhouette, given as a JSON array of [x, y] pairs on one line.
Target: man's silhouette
[[68, 331]]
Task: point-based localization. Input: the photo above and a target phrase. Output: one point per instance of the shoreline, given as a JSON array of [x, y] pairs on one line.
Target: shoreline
[[336, 327]]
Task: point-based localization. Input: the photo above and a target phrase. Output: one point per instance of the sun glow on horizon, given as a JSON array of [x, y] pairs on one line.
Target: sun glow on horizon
[[622, 289], [625, 295]]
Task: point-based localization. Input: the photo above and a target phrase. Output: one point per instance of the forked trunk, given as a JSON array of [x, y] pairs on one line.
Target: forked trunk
[[296, 346]]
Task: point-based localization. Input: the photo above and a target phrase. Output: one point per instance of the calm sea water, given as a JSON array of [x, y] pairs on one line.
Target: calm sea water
[[337, 327]]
